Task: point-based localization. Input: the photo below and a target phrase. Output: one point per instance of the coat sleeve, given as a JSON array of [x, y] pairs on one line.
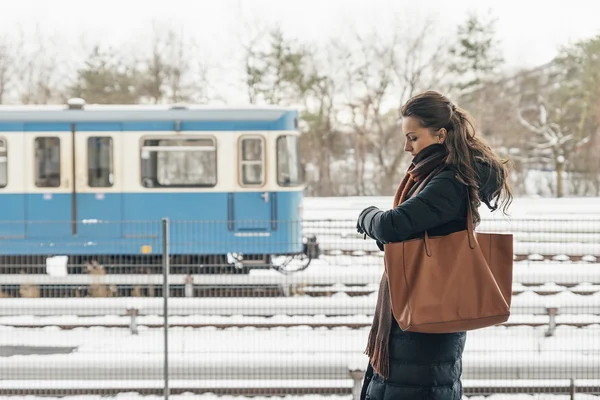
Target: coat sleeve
[[438, 203]]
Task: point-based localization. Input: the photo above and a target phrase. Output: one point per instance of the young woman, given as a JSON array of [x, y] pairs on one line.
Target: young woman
[[448, 160]]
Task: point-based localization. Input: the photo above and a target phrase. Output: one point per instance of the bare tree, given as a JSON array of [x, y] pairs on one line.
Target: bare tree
[[323, 136], [253, 74], [384, 73], [578, 67], [251, 38], [279, 70], [173, 71], [370, 79], [422, 62], [553, 141], [8, 67], [38, 65]]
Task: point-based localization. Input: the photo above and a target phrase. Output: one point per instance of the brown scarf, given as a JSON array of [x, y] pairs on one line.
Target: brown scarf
[[424, 166]]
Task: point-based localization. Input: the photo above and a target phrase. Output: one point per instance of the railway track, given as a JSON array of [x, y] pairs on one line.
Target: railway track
[[317, 325], [274, 291], [322, 280], [550, 256]]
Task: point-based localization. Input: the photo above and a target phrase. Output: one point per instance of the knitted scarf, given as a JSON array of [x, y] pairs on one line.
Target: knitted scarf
[[424, 166]]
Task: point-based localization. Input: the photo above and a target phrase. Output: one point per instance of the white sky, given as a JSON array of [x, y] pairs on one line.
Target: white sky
[[529, 30]]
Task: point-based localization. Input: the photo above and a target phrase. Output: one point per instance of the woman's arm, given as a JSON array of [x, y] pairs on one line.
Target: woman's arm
[[439, 202]]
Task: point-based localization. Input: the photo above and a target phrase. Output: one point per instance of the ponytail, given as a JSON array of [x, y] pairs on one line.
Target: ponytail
[[465, 149]]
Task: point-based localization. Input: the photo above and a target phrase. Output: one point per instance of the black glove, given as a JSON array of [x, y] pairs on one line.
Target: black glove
[[364, 219]]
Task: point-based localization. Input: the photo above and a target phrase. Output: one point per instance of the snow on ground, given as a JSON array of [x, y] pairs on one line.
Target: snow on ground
[[338, 304], [283, 353], [100, 340], [281, 365], [348, 208], [569, 226]]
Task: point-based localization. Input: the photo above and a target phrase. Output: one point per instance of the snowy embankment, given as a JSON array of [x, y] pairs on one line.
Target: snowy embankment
[[341, 304], [348, 208], [554, 228], [102, 358], [284, 353]]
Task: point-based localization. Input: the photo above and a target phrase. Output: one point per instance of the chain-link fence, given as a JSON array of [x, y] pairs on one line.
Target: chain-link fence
[[86, 314]]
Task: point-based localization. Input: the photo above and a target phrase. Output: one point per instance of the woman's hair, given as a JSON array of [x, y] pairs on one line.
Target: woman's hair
[[435, 111]]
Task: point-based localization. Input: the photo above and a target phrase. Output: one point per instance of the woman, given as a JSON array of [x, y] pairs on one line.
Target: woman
[[448, 161]]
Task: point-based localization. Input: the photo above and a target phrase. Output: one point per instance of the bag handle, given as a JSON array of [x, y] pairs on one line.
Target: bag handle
[[470, 229]]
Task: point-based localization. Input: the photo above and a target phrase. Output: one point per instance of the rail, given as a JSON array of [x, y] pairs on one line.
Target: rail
[[537, 273]]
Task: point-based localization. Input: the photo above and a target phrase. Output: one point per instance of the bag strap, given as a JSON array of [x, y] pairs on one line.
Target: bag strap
[[470, 229]]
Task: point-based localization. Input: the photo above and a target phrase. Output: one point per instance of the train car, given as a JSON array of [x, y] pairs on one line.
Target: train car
[[94, 182]]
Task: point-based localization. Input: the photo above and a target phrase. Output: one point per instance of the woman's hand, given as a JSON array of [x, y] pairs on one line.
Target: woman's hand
[[363, 223], [364, 219]]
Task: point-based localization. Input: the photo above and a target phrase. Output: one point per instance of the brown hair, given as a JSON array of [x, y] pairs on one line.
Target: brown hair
[[435, 111]]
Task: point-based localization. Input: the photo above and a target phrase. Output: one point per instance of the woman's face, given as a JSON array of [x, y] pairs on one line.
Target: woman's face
[[417, 137]]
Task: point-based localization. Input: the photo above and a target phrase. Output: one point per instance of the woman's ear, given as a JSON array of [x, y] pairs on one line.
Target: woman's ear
[[442, 135]]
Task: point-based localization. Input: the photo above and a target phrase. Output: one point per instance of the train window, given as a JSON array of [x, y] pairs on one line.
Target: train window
[[252, 161], [179, 163], [289, 168], [3, 164], [100, 162], [47, 162]]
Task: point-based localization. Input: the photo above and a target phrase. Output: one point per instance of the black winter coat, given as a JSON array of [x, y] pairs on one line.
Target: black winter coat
[[424, 366]]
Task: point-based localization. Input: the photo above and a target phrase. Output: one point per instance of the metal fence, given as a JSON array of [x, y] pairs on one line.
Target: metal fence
[[133, 307]]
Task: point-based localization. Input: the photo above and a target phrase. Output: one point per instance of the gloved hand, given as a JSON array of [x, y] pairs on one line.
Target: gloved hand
[[364, 219]]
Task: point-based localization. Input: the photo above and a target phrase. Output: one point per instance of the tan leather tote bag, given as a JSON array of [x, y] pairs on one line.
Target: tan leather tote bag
[[453, 283]]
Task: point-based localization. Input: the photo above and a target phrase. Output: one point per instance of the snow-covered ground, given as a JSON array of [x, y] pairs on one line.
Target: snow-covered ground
[[348, 208], [339, 304], [561, 227], [100, 342]]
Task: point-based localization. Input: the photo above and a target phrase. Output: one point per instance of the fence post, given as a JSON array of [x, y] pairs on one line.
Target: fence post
[[165, 265], [552, 311], [573, 390]]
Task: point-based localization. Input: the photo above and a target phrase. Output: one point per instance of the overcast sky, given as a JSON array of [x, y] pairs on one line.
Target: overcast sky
[[529, 30]]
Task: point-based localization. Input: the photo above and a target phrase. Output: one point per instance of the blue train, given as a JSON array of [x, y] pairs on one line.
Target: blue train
[[94, 182]]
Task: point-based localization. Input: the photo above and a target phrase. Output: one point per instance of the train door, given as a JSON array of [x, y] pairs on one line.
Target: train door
[[73, 190], [12, 211], [48, 166], [252, 207], [98, 201]]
